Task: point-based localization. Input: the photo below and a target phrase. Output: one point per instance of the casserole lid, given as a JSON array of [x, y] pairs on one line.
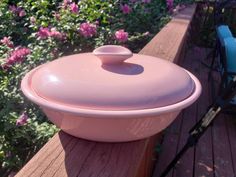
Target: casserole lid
[[111, 78]]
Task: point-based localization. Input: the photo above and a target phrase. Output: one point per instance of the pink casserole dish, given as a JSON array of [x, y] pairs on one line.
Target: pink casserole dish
[[111, 95]]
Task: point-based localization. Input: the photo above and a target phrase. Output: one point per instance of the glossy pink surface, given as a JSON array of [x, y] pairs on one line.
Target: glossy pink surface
[[110, 129], [111, 54], [141, 82], [111, 102]]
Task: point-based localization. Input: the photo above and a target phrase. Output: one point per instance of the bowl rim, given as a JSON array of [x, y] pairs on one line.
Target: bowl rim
[[96, 113]]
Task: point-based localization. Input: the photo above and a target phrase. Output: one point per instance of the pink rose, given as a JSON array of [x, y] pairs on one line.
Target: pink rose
[[22, 120], [7, 41], [74, 8], [17, 56], [125, 9], [66, 3], [56, 34], [13, 8], [121, 35], [88, 29], [17, 10], [22, 13], [43, 33]]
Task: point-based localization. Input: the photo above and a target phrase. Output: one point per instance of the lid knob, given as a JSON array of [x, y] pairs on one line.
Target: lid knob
[[112, 54]]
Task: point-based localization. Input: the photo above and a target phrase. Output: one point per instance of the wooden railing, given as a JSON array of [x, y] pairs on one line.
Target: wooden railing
[[65, 155]]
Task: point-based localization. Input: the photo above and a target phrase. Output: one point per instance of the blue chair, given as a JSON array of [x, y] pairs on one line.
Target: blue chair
[[230, 63], [222, 32]]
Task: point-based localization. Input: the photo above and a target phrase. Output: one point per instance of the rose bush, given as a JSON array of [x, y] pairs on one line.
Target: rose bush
[[35, 32]]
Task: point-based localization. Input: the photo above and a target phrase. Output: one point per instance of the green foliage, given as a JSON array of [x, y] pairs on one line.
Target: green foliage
[[22, 21], [206, 23]]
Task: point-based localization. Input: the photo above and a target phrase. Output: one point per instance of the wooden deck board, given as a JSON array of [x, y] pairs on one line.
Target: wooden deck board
[[61, 158], [185, 166], [231, 125], [203, 151], [222, 153], [168, 39], [215, 153], [171, 138]]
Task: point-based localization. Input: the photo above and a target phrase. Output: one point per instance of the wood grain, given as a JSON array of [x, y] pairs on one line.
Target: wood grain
[[168, 147], [185, 166], [231, 126], [147, 164], [215, 153], [223, 165], [169, 41], [204, 152], [65, 155]]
